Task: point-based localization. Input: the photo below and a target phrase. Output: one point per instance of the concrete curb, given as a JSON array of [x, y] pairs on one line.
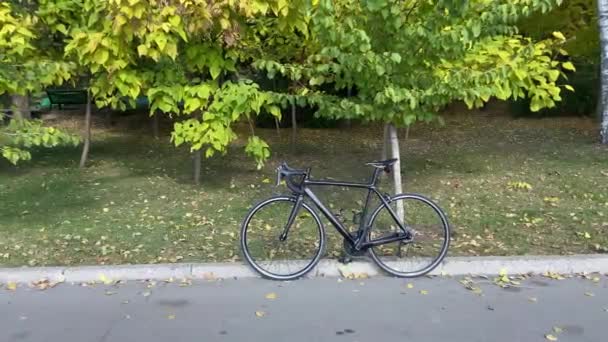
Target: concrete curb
[[331, 268]]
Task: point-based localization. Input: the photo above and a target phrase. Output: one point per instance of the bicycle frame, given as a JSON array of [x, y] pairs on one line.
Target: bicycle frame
[[360, 242]]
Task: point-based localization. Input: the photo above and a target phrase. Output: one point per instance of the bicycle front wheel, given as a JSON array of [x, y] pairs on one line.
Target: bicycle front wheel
[[428, 227], [276, 258]]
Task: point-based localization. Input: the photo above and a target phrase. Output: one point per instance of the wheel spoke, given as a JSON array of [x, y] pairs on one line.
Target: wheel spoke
[[429, 231], [263, 247]]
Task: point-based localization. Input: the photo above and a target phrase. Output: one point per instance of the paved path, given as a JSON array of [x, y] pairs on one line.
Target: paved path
[[319, 309]]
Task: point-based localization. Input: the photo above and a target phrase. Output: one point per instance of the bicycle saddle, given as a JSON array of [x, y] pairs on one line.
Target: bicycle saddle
[[381, 164]]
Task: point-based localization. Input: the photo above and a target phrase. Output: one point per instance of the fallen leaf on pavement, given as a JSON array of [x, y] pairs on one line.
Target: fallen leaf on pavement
[[110, 293], [12, 286], [410, 286], [105, 279], [557, 330], [260, 313], [171, 316], [550, 337], [589, 294], [271, 295], [533, 299], [424, 292], [146, 293]]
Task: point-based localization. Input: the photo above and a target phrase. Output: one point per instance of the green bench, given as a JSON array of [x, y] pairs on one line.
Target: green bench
[[61, 97]]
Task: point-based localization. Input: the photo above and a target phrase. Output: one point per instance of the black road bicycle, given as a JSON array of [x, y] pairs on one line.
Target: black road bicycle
[[407, 235]]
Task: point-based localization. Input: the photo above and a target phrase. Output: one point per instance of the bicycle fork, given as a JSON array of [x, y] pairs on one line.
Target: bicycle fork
[[292, 217]]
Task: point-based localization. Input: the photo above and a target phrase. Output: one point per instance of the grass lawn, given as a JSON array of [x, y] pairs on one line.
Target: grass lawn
[[509, 187]]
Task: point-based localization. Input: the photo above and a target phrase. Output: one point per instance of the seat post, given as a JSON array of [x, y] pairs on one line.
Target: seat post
[[375, 176]]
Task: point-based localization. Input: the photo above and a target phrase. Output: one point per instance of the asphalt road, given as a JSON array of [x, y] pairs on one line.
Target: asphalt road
[[320, 309]]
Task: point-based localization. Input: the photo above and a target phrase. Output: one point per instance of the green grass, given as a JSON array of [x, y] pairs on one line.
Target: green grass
[[135, 203]]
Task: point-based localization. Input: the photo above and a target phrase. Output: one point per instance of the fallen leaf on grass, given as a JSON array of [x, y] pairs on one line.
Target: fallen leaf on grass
[[550, 337], [260, 313], [271, 295]]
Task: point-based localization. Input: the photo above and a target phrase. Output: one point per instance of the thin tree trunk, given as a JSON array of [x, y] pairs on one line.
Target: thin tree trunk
[[87, 132], [276, 123], [603, 27], [155, 124], [394, 143], [348, 94], [294, 127], [407, 132], [21, 107], [197, 166], [385, 143]]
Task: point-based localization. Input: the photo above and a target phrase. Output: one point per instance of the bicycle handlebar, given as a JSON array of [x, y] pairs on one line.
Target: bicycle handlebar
[[285, 171]]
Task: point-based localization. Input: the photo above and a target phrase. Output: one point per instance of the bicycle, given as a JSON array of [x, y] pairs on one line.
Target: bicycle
[[301, 232]]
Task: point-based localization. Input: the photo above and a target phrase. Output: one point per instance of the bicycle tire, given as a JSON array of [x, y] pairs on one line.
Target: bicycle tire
[[270, 274], [445, 226]]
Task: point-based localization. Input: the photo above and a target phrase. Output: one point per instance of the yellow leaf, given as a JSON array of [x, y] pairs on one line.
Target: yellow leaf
[[559, 35], [557, 330], [533, 299], [587, 235], [12, 286], [424, 292], [105, 279], [266, 181], [568, 66], [271, 295], [589, 294], [550, 337], [171, 317], [503, 272], [260, 313], [410, 286]]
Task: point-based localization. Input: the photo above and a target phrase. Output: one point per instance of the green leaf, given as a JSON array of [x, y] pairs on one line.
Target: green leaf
[[568, 66], [142, 50], [395, 57], [275, 111], [101, 56]]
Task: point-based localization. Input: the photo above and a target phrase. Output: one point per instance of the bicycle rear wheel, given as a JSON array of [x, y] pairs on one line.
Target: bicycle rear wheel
[[429, 230], [263, 248]]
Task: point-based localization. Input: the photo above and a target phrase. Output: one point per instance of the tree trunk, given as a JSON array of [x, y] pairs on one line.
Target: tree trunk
[[385, 143], [394, 145], [348, 94], [21, 107], [197, 166], [155, 125], [87, 132], [294, 127], [603, 28]]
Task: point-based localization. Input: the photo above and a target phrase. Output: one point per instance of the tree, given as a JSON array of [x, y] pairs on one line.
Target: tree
[[408, 60], [603, 27], [28, 63], [175, 52]]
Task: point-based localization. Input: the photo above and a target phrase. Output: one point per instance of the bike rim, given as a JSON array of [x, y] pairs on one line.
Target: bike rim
[[276, 259], [430, 229]]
